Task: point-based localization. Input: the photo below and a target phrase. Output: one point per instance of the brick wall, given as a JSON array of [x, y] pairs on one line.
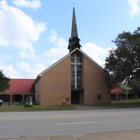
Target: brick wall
[[94, 83], [56, 84], [37, 91]]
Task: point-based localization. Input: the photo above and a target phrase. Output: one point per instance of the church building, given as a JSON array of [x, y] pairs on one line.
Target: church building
[[74, 79]]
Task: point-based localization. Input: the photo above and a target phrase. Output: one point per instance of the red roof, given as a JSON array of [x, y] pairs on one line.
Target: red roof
[[20, 85], [117, 89]]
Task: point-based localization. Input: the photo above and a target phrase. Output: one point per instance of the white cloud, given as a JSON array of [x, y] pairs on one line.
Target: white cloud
[[56, 52], [98, 54], [135, 8], [5, 56], [18, 30], [54, 36], [59, 50], [8, 70], [23, 32], [30, 72], [58, 41], [28, 3]]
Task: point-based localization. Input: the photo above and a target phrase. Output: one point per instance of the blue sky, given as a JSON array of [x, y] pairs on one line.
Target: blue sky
[[34, 33]]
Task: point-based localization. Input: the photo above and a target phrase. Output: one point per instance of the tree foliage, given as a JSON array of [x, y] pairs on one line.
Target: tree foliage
[[4, 82], [123, 63], [135, 87], [124, 87]]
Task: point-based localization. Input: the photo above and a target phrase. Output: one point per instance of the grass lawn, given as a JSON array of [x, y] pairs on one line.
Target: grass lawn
[[127, 102], [34, 108], [122, 103]]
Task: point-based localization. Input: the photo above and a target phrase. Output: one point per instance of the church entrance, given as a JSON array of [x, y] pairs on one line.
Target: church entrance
[[76, 97]]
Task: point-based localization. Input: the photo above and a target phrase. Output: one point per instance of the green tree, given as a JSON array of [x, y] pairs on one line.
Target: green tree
[[124, 87], [123, 63], [4, 82], [135, 87]]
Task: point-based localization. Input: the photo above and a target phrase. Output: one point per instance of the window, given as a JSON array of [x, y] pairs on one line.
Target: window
[[76, 71], [78, 59]]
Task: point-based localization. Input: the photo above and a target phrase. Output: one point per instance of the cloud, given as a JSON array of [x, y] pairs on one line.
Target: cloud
[[21, 33], [58, 41], [29, 72], [135, 8], [6, 57], [8, 70], [56, 52], [54, 37], [52, 55], [98, 54], [28, 3]]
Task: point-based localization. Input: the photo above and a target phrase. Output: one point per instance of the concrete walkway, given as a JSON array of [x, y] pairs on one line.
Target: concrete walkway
[[122, 135], [94, 107]]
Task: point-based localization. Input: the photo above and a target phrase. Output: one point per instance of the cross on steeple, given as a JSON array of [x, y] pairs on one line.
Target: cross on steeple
[[74, 40]]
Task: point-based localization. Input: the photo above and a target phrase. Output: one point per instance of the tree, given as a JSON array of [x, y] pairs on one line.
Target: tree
[[135, 87], [4, 82], [123, 63], [124, 87]]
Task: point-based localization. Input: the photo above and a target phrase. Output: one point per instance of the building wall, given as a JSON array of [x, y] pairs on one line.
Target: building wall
[[94, 83], [37, 91], [56, 84]]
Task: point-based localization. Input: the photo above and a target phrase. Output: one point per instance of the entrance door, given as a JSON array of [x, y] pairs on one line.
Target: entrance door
[[75, 98]]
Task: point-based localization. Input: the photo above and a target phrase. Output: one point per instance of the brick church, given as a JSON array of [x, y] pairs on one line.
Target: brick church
[[76, 78]]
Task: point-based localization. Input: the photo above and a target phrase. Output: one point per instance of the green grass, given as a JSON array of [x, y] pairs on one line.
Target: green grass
[[34, 108], [127, 102], [120, 104], [123, 103]]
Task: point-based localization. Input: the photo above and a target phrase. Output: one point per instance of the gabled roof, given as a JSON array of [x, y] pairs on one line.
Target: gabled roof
[[20, 85], [94, 62], [60, 60], [117, 89]]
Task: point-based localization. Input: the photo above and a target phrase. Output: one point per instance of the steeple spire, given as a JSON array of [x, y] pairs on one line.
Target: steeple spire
[[74, 40], [74, 32]]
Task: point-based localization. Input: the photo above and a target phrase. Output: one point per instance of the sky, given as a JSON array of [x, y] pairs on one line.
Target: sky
[[34, 34]]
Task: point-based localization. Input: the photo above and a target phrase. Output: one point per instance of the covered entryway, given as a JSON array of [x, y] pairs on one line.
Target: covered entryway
[[76, 97]]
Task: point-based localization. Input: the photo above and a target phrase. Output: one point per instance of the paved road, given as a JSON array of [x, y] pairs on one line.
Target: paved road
[[57, 123]]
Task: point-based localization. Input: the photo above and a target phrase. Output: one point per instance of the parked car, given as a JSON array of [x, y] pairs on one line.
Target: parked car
[[1, 102]]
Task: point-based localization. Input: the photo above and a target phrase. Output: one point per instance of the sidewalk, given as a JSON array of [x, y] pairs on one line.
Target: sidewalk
[[91, 107], [122, 135]]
